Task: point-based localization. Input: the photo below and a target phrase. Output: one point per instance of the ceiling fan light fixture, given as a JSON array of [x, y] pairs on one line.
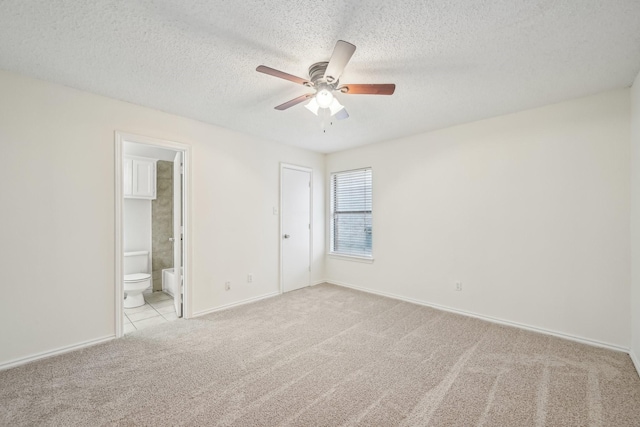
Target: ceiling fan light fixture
[[313, 106], [335, 106], [324, 98]]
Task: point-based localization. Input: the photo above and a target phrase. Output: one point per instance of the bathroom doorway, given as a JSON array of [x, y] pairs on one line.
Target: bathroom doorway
[[152, 211]]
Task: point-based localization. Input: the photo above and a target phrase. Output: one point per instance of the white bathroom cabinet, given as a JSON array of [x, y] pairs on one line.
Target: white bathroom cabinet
[[139, 178]]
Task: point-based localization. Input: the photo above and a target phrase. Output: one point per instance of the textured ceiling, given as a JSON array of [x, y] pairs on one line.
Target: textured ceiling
[[453, 61]]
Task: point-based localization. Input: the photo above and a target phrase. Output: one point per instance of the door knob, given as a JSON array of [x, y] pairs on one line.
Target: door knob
[[286, 236], [171, 239]]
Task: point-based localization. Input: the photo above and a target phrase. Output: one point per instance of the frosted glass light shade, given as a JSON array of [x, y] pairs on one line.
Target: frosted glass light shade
[[335, 106], [313, 106], [324, 98]]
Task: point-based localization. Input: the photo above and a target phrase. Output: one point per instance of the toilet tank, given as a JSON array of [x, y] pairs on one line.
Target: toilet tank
[[136, 262]]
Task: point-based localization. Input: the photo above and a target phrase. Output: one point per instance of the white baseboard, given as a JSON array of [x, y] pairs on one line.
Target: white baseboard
[[488, 318], [55, 352], [319, 282], [234, 304], [635, 361]]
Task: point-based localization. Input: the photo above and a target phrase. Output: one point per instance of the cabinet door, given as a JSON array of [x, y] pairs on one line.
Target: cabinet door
[[144, 178], [128, 177]]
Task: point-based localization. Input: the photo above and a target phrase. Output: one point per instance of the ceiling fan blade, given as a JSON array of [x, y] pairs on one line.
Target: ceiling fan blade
[[294, 101], [342, 53], [366, 89], [342, 114], [281, 74]]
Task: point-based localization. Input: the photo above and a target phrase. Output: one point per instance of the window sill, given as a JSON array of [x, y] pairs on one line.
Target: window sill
[[364, 259]]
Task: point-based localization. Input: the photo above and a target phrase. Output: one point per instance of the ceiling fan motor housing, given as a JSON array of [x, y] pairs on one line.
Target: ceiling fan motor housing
[[316, 75]]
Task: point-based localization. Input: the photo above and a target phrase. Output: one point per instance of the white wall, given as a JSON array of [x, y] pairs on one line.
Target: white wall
[[136, 225], [635, 223], [57, 216], [529, 211]]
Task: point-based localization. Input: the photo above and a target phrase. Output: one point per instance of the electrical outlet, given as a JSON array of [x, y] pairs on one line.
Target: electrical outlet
[[249, 278], [227, 286], [459, 286]]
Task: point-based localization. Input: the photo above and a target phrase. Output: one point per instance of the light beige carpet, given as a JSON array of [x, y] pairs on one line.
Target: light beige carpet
[[327, 356]]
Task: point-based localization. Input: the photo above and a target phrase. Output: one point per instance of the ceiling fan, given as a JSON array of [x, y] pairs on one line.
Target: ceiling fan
[[324, 78]]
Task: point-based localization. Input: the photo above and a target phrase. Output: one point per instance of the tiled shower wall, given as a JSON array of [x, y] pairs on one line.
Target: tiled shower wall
[[162, 222]]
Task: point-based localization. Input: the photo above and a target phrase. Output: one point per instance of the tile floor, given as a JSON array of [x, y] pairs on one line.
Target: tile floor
[[158, 309]]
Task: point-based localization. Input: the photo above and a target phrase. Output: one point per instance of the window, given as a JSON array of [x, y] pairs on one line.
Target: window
[[351, 213]]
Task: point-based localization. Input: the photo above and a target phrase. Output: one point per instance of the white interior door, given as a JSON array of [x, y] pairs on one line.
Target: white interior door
[[177, 233], [296, 228]]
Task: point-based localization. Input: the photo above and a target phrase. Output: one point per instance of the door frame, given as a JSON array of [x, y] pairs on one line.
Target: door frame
[[304, 169], [120, 138]]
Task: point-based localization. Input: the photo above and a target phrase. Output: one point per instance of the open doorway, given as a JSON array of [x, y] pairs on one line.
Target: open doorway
[[152, 209]]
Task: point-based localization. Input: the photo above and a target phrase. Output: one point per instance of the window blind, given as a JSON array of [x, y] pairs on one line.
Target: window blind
[[351, 206]]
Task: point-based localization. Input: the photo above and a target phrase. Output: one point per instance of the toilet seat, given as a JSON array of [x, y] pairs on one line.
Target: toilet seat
[[136, 277]]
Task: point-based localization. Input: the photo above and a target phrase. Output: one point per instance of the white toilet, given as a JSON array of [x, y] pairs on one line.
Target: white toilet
[[136, 278]]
